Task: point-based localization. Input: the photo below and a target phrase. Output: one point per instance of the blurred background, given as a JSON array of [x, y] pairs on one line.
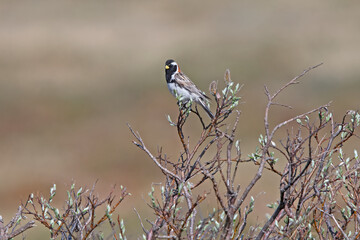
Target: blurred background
[[73, 73]]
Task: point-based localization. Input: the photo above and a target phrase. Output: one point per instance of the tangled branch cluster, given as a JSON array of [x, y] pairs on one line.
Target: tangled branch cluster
[[318, 182], [317, 178], [14, 228], [78, 219]]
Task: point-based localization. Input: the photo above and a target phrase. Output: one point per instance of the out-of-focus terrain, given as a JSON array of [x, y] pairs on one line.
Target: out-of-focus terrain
[[73, 73]]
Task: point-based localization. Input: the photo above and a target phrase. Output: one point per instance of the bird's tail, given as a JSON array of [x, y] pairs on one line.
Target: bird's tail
[[206, 108]]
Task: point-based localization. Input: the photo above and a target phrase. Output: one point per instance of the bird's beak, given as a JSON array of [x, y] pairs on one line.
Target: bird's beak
[[167, 67]]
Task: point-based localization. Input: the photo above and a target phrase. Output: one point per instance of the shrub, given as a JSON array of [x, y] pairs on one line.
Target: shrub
[[318, 186], [318, 182]]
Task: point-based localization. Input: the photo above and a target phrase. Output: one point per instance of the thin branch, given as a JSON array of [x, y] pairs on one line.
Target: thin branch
[[142, 146], [142, 225]]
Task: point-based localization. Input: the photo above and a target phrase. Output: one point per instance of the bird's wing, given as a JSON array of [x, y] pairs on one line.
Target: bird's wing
[[186, 83]]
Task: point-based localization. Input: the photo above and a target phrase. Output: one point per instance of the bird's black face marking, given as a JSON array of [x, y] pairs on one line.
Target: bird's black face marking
[[170, 68], [168, 62]]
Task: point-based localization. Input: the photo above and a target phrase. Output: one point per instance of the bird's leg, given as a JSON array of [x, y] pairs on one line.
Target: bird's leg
[[182, 107], [187, 106]]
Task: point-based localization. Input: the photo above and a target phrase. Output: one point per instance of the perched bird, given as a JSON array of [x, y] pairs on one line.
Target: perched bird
[[180, 85]]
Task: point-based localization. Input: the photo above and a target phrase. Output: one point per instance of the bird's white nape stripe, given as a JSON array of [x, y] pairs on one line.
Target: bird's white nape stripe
[[174, 63], [173, 75]]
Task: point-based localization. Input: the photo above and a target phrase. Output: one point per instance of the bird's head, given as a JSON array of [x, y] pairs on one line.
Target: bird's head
[[171, 67]]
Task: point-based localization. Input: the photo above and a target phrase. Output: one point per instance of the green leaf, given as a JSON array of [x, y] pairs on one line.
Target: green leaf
[[328, 117], [79, 192], [356, 154]]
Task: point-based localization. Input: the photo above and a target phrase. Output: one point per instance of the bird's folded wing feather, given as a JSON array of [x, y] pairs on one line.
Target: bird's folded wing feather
[[186, 83]]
